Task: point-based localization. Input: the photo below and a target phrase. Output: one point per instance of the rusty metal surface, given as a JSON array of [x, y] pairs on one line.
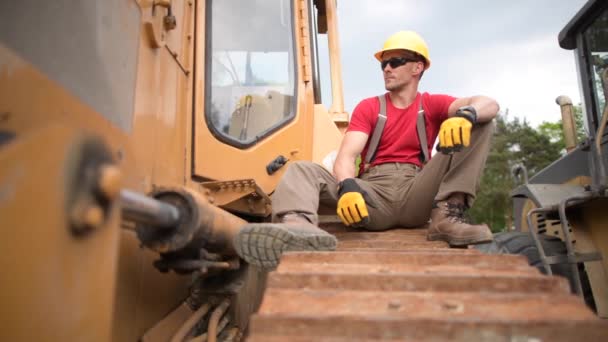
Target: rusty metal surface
[[390, 244], [413, 249], [418, 282], [401, 269], [423, 305], [396, 286], [342, 329], [413, 235], [423, 257], [403, 263]]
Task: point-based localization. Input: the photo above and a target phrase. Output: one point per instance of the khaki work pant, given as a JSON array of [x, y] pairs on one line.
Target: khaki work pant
[[401, 194]]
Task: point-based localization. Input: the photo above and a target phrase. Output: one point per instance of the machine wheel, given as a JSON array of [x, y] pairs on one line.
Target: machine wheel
[[523, 243]]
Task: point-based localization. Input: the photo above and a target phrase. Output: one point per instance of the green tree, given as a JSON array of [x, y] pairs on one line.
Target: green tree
[[581, 134], [554, 130], [515, 142]]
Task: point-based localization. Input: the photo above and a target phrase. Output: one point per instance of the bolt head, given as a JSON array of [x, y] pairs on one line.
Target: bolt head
[[109, 183], [93, 216], [394, 304], [170, 22], [86, 217]]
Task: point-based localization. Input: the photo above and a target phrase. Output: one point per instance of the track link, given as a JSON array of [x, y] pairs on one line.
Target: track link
[[396, 286]]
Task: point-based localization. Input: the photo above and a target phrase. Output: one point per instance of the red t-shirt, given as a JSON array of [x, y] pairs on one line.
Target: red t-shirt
[[399, 141]]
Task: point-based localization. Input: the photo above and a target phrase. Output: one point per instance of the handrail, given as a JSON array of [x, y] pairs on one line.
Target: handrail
[[337, 106]]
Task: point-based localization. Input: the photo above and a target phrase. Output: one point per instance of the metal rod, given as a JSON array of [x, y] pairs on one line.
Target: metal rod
[[185, 329], [213, 328], [335, 66], [598, 149], [220, 328], [539, 246], [199, 338], [145, 210], [520, 170], [232, 335], [578, 288], [314, 45]]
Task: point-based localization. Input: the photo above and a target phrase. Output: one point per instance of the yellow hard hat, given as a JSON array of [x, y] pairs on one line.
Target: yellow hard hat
[[406, 40]]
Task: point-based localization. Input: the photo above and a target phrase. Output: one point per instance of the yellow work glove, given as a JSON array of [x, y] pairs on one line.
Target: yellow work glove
[[455, 132], [352, 208]]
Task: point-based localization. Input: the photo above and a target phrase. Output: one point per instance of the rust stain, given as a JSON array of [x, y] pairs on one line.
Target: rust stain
[[396, 286]]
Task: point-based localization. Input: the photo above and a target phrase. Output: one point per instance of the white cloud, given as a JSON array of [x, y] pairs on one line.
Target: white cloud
[[524, 77], [365, 24], [505, 50]]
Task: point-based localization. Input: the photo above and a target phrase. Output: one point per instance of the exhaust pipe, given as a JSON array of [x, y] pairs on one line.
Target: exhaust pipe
[[568, 123]]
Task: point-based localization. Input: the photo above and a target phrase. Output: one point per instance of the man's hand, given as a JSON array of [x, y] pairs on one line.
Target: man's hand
[[455, 132], [352, 208]]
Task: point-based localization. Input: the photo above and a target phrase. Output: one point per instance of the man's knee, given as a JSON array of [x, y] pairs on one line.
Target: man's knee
[[305, 171], [299, 168], [302, 166]]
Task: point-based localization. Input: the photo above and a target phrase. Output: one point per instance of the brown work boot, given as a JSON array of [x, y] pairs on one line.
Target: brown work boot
[[448, 224], [262, 244]]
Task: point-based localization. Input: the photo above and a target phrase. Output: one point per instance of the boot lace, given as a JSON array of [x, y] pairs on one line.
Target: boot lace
[[455, 212]]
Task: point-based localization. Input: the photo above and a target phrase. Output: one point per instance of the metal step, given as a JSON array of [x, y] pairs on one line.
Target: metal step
[[404, 263], [443, 306], [397, 269], [412, 249], [336, 329], [412, 235], [418, 257], [396, 286], [450, 282], [390, 244]]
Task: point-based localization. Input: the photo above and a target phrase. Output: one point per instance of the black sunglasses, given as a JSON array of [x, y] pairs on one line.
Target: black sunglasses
[[396, 62]]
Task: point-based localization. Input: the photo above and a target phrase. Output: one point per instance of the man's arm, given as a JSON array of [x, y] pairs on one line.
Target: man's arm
[[352, 145], [486, 107]]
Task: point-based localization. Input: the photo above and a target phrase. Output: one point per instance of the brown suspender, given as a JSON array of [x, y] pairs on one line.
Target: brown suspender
[[421, 129], [375, 138]]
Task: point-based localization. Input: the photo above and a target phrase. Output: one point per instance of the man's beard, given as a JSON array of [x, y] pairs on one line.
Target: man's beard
[[394, 86]]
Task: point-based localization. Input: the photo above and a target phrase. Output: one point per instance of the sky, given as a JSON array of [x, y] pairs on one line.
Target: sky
[[504, 49]]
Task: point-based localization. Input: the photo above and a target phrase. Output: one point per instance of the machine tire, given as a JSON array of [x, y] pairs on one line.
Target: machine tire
[[523, 243]]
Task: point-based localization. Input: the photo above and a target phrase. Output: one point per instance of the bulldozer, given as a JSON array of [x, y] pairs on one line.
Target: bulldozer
[[559, 224], [138, 137]]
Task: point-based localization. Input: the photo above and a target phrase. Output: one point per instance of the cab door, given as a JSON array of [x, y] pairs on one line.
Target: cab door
[[253, 99]]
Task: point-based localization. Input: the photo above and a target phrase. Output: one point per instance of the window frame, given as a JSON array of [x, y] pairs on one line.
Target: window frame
[[593, 86], [585, 70], [314, 47], [218, 134]]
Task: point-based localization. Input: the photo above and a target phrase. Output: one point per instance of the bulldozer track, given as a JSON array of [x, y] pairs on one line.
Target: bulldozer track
[[397, 286]]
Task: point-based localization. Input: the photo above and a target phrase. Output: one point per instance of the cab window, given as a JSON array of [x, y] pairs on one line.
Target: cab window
[[596, 41], [250, 68]]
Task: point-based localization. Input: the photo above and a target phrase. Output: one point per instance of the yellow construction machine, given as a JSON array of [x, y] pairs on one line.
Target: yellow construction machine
[[561, 223], [137, 137]]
